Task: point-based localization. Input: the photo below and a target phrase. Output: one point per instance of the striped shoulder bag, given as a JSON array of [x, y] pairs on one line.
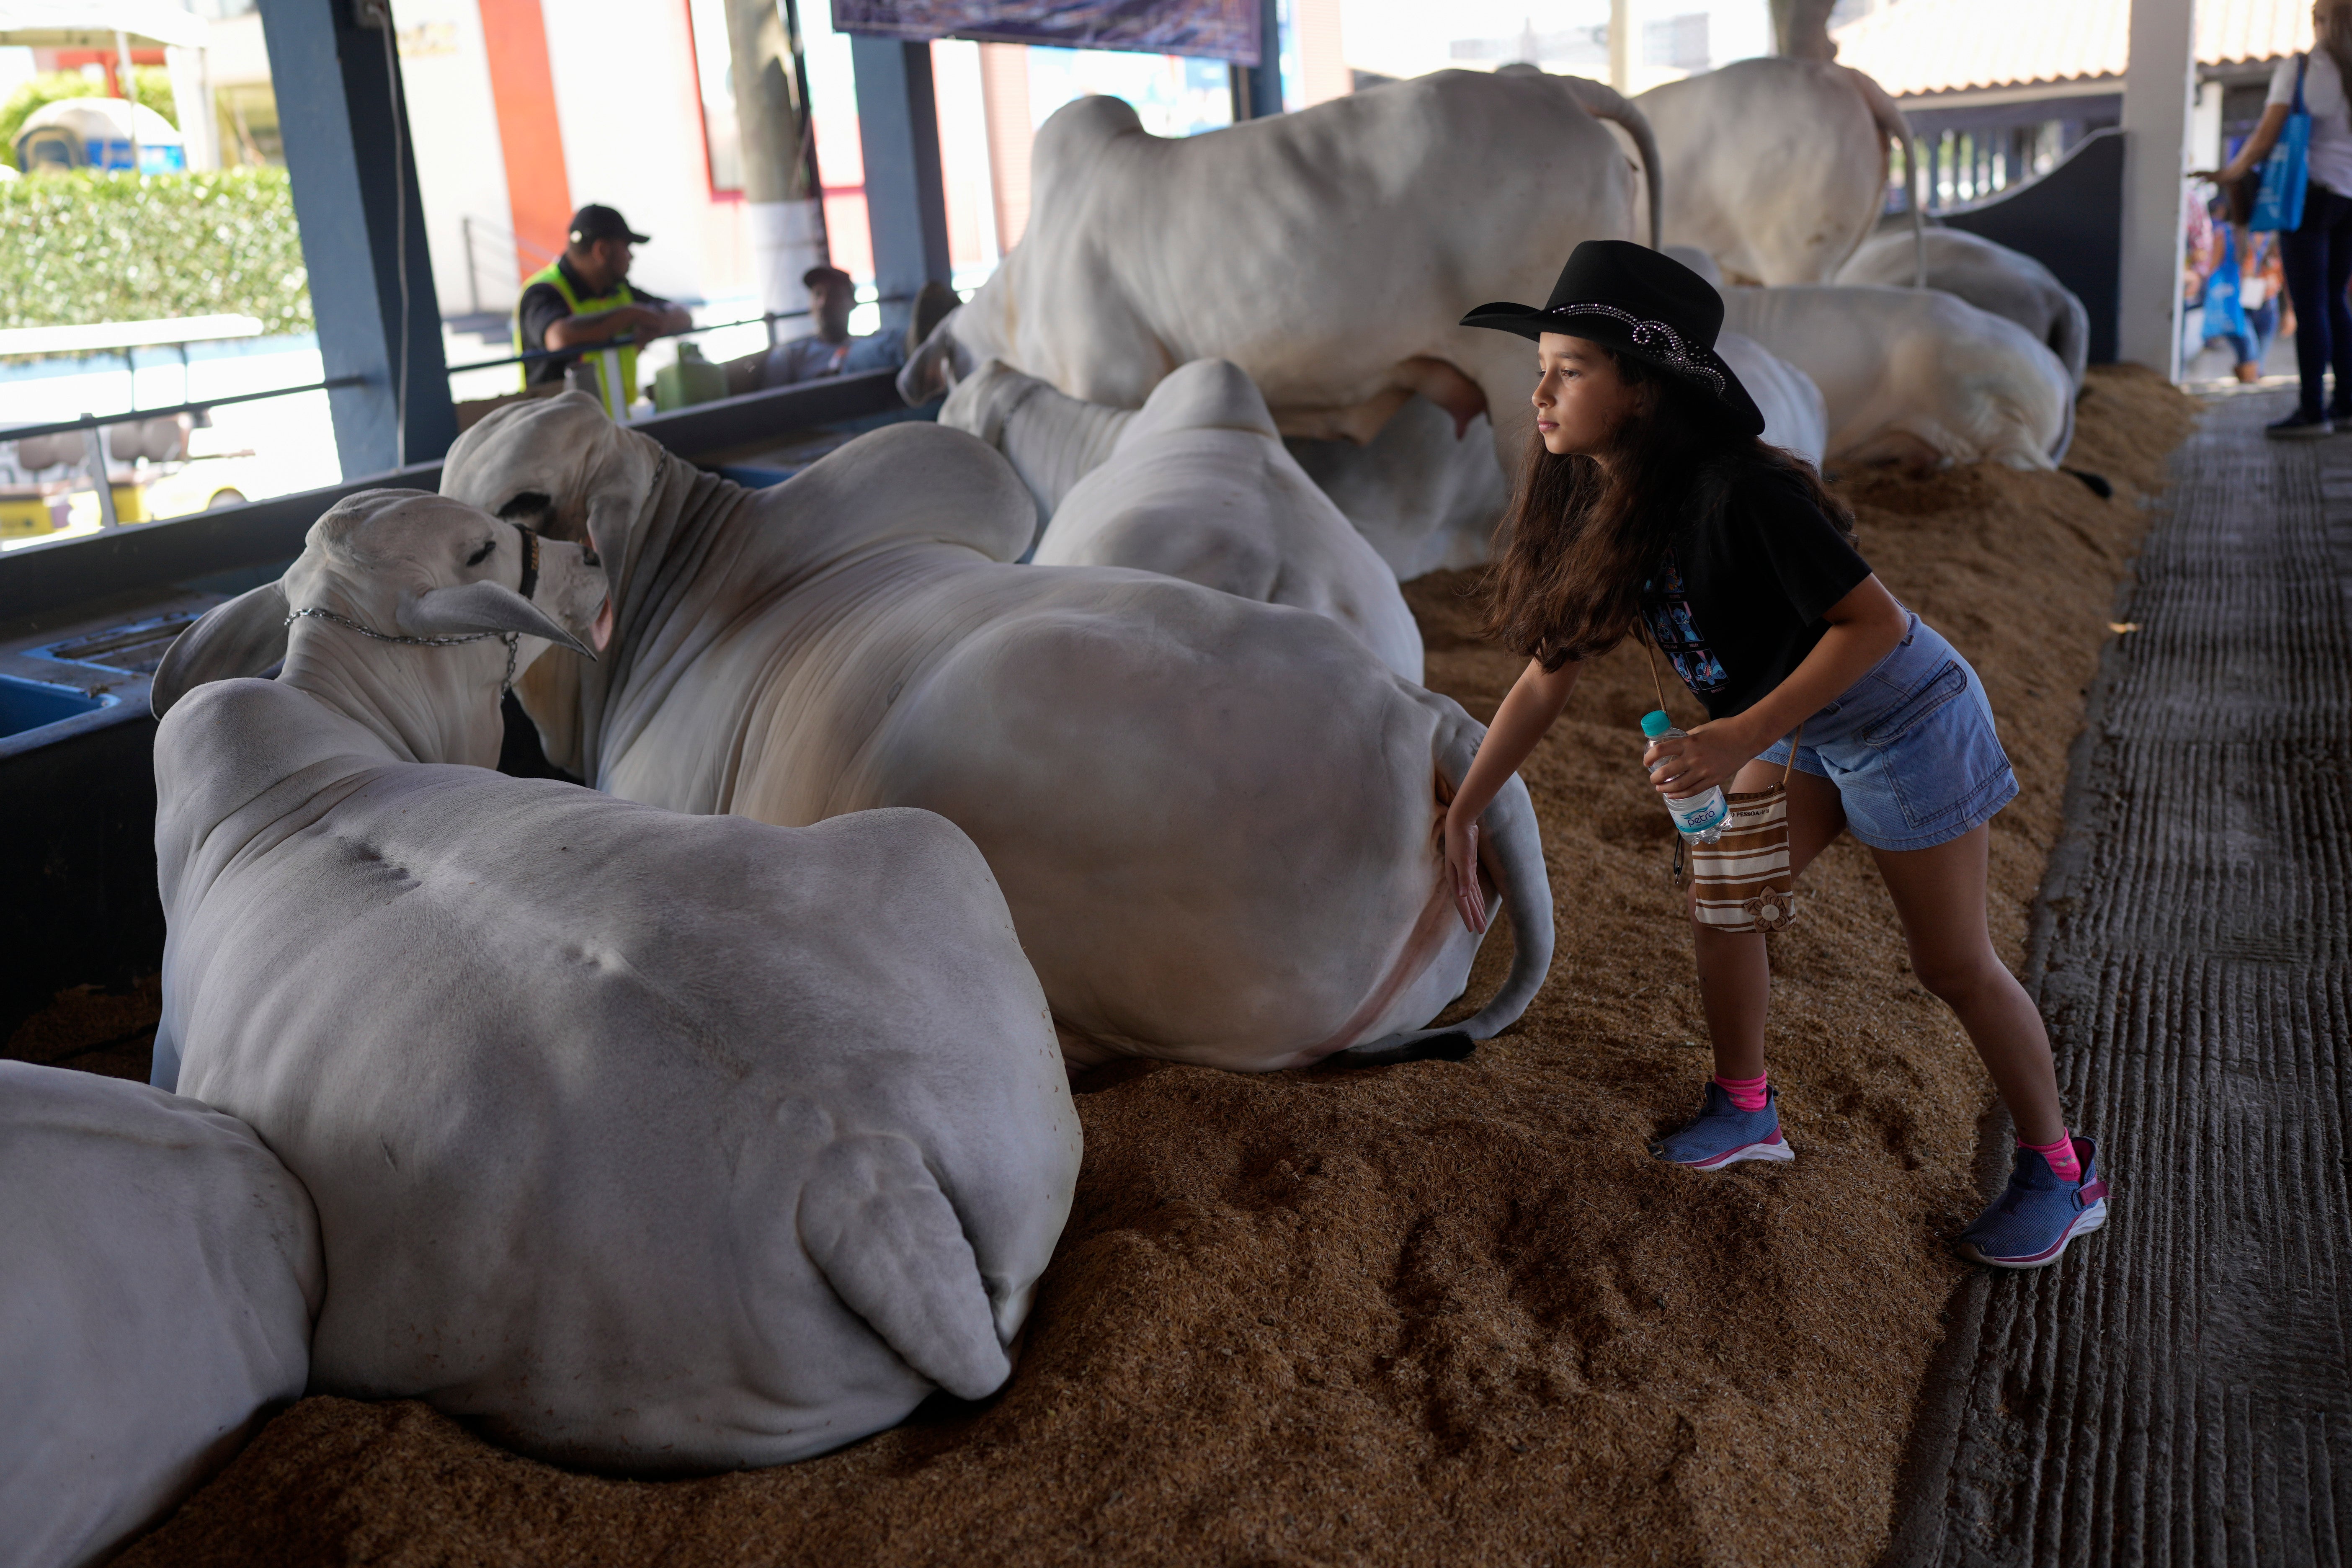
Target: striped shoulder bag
[[1744, 882]]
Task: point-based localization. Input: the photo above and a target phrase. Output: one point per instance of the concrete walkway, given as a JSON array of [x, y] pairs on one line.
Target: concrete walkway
[[2179, 1391]]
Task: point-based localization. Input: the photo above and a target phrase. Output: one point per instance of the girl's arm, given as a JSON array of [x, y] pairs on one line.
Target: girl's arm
[[1535, 700], [1865, 626], [2257, 147]]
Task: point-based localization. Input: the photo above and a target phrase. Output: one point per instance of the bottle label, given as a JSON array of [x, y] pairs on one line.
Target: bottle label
[[1701, 815]]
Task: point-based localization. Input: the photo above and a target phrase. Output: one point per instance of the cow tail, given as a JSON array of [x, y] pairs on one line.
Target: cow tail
[[1893, 126], [1510, 847], [1605, 102]]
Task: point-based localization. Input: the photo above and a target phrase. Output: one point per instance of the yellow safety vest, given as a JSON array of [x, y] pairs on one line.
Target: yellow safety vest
[[554, 273]]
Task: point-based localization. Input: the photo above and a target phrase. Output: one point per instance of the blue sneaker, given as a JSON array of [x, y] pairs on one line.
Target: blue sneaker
[[1724, 1134], [2030, 1225]]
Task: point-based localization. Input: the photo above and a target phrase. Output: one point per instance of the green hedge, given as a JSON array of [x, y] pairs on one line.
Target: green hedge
[[84, 248]]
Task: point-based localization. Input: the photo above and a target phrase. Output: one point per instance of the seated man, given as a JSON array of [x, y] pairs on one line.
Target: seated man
[[586, 300], [831, 351]]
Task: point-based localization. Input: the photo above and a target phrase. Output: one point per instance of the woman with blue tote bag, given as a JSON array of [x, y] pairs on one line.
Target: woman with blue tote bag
[[2309, 114]]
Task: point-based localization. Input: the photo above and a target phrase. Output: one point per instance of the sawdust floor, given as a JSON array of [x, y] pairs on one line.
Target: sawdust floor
[[1436, 1313]]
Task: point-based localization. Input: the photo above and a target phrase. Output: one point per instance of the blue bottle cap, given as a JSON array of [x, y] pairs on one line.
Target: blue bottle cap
[[1655, 724]]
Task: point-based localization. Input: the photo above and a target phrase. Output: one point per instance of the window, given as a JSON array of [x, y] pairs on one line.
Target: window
[[714, 70], [1678, 42]]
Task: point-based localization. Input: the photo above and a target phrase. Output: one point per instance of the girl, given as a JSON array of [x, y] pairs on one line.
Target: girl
[[1647, 507]]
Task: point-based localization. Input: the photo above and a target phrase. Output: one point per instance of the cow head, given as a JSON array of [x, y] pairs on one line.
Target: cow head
[[558, 465], [934, 368], [405, 579]]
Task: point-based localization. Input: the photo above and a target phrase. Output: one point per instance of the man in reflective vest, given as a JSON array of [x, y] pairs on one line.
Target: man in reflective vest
[[586, 300]]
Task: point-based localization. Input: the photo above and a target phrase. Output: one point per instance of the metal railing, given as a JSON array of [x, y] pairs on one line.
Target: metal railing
[[608, 352], [94, 446]]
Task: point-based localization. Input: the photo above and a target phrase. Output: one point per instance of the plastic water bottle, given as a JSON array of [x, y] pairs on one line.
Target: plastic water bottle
[[1701, 816]]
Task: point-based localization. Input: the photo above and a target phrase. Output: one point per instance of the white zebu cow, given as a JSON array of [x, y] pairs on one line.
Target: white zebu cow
[[1776, 167], [1914, 375], [1425, 499], [1991, 277], [1796, 418], [1370, 224], [652, 1141], [1197, 485], [159, 1269], [1212, 818]]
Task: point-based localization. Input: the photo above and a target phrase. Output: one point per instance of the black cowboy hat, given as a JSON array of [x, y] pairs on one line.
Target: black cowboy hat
[[1631, 299]]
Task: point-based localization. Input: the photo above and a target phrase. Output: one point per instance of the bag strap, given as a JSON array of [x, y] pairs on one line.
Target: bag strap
[[2302, 64], [1650, 654]]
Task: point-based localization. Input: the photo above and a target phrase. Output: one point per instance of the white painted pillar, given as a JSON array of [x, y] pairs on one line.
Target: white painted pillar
[[1621, 46], [2159, 92], [191, 100]]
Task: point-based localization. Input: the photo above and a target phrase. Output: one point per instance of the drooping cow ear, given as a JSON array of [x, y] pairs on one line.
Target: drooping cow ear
[[244, 637], [470, 607]]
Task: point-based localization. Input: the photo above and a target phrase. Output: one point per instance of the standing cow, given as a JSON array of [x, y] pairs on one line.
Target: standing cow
[[1329, 253], [1776, 167]]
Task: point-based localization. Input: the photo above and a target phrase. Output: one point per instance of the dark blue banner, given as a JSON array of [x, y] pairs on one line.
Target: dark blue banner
[[1219, 29]]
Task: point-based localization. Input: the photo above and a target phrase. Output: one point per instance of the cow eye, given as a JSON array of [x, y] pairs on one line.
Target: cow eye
[[478, 556]]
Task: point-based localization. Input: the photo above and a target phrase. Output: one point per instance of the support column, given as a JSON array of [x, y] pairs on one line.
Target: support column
[[2159, 90], [906, 203], [353, 179], [1257, 89], [782, 211]]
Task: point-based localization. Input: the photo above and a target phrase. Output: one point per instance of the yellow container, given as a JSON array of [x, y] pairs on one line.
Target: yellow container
[[25, 517], [129, 505]]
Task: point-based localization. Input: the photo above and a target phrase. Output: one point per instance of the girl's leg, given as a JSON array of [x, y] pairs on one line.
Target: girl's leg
[[1939, 894], [1735, 981], [2305, 252]]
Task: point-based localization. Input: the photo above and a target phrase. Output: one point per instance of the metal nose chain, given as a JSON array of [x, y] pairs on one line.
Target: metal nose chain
[[513, 639]]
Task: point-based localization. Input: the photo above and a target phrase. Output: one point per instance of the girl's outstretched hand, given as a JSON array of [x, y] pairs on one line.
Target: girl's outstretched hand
[[1683, 766], [1462, 865]]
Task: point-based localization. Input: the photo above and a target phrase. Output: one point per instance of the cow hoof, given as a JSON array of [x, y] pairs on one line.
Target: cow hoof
[[1413, 1046]]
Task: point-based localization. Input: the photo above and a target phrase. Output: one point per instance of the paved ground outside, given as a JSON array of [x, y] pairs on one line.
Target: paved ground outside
[[2179, 1391]]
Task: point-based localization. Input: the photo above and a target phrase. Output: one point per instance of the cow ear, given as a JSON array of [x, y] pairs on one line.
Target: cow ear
[[873, 1219], [244, 637], [485, 607]]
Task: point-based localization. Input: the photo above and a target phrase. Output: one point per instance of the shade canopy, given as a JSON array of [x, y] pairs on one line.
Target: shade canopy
[[94, 24]]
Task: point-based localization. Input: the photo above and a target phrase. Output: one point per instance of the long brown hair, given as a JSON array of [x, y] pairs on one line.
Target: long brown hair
[[1580, 538]]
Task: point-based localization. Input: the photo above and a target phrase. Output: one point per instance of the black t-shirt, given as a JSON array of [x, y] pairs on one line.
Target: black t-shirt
[[1737, 604], [541, 307]]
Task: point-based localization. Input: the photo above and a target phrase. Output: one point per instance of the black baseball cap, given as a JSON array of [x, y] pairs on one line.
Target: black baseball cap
[[593, 223]]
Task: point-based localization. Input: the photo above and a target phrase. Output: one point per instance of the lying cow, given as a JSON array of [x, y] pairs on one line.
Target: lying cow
[[2008, 283], [1776, 167], [646, 1141], [1197, 485], [1915, 377], [159, 1269], [1212, 818]]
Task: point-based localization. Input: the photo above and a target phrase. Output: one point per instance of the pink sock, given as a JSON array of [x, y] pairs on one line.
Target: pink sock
[[2061, 1156], [1747, 1093]]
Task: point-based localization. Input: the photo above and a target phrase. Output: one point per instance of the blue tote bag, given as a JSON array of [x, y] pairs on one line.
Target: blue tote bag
[[2279, 206]]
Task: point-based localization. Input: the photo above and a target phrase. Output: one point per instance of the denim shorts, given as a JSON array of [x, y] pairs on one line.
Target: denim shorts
[[1910, 747]]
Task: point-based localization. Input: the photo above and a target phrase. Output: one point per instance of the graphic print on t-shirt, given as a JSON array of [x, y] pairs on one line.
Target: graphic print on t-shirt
[[1667, 608]]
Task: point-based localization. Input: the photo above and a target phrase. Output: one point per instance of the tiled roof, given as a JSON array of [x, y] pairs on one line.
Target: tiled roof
[[1949, 45]]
